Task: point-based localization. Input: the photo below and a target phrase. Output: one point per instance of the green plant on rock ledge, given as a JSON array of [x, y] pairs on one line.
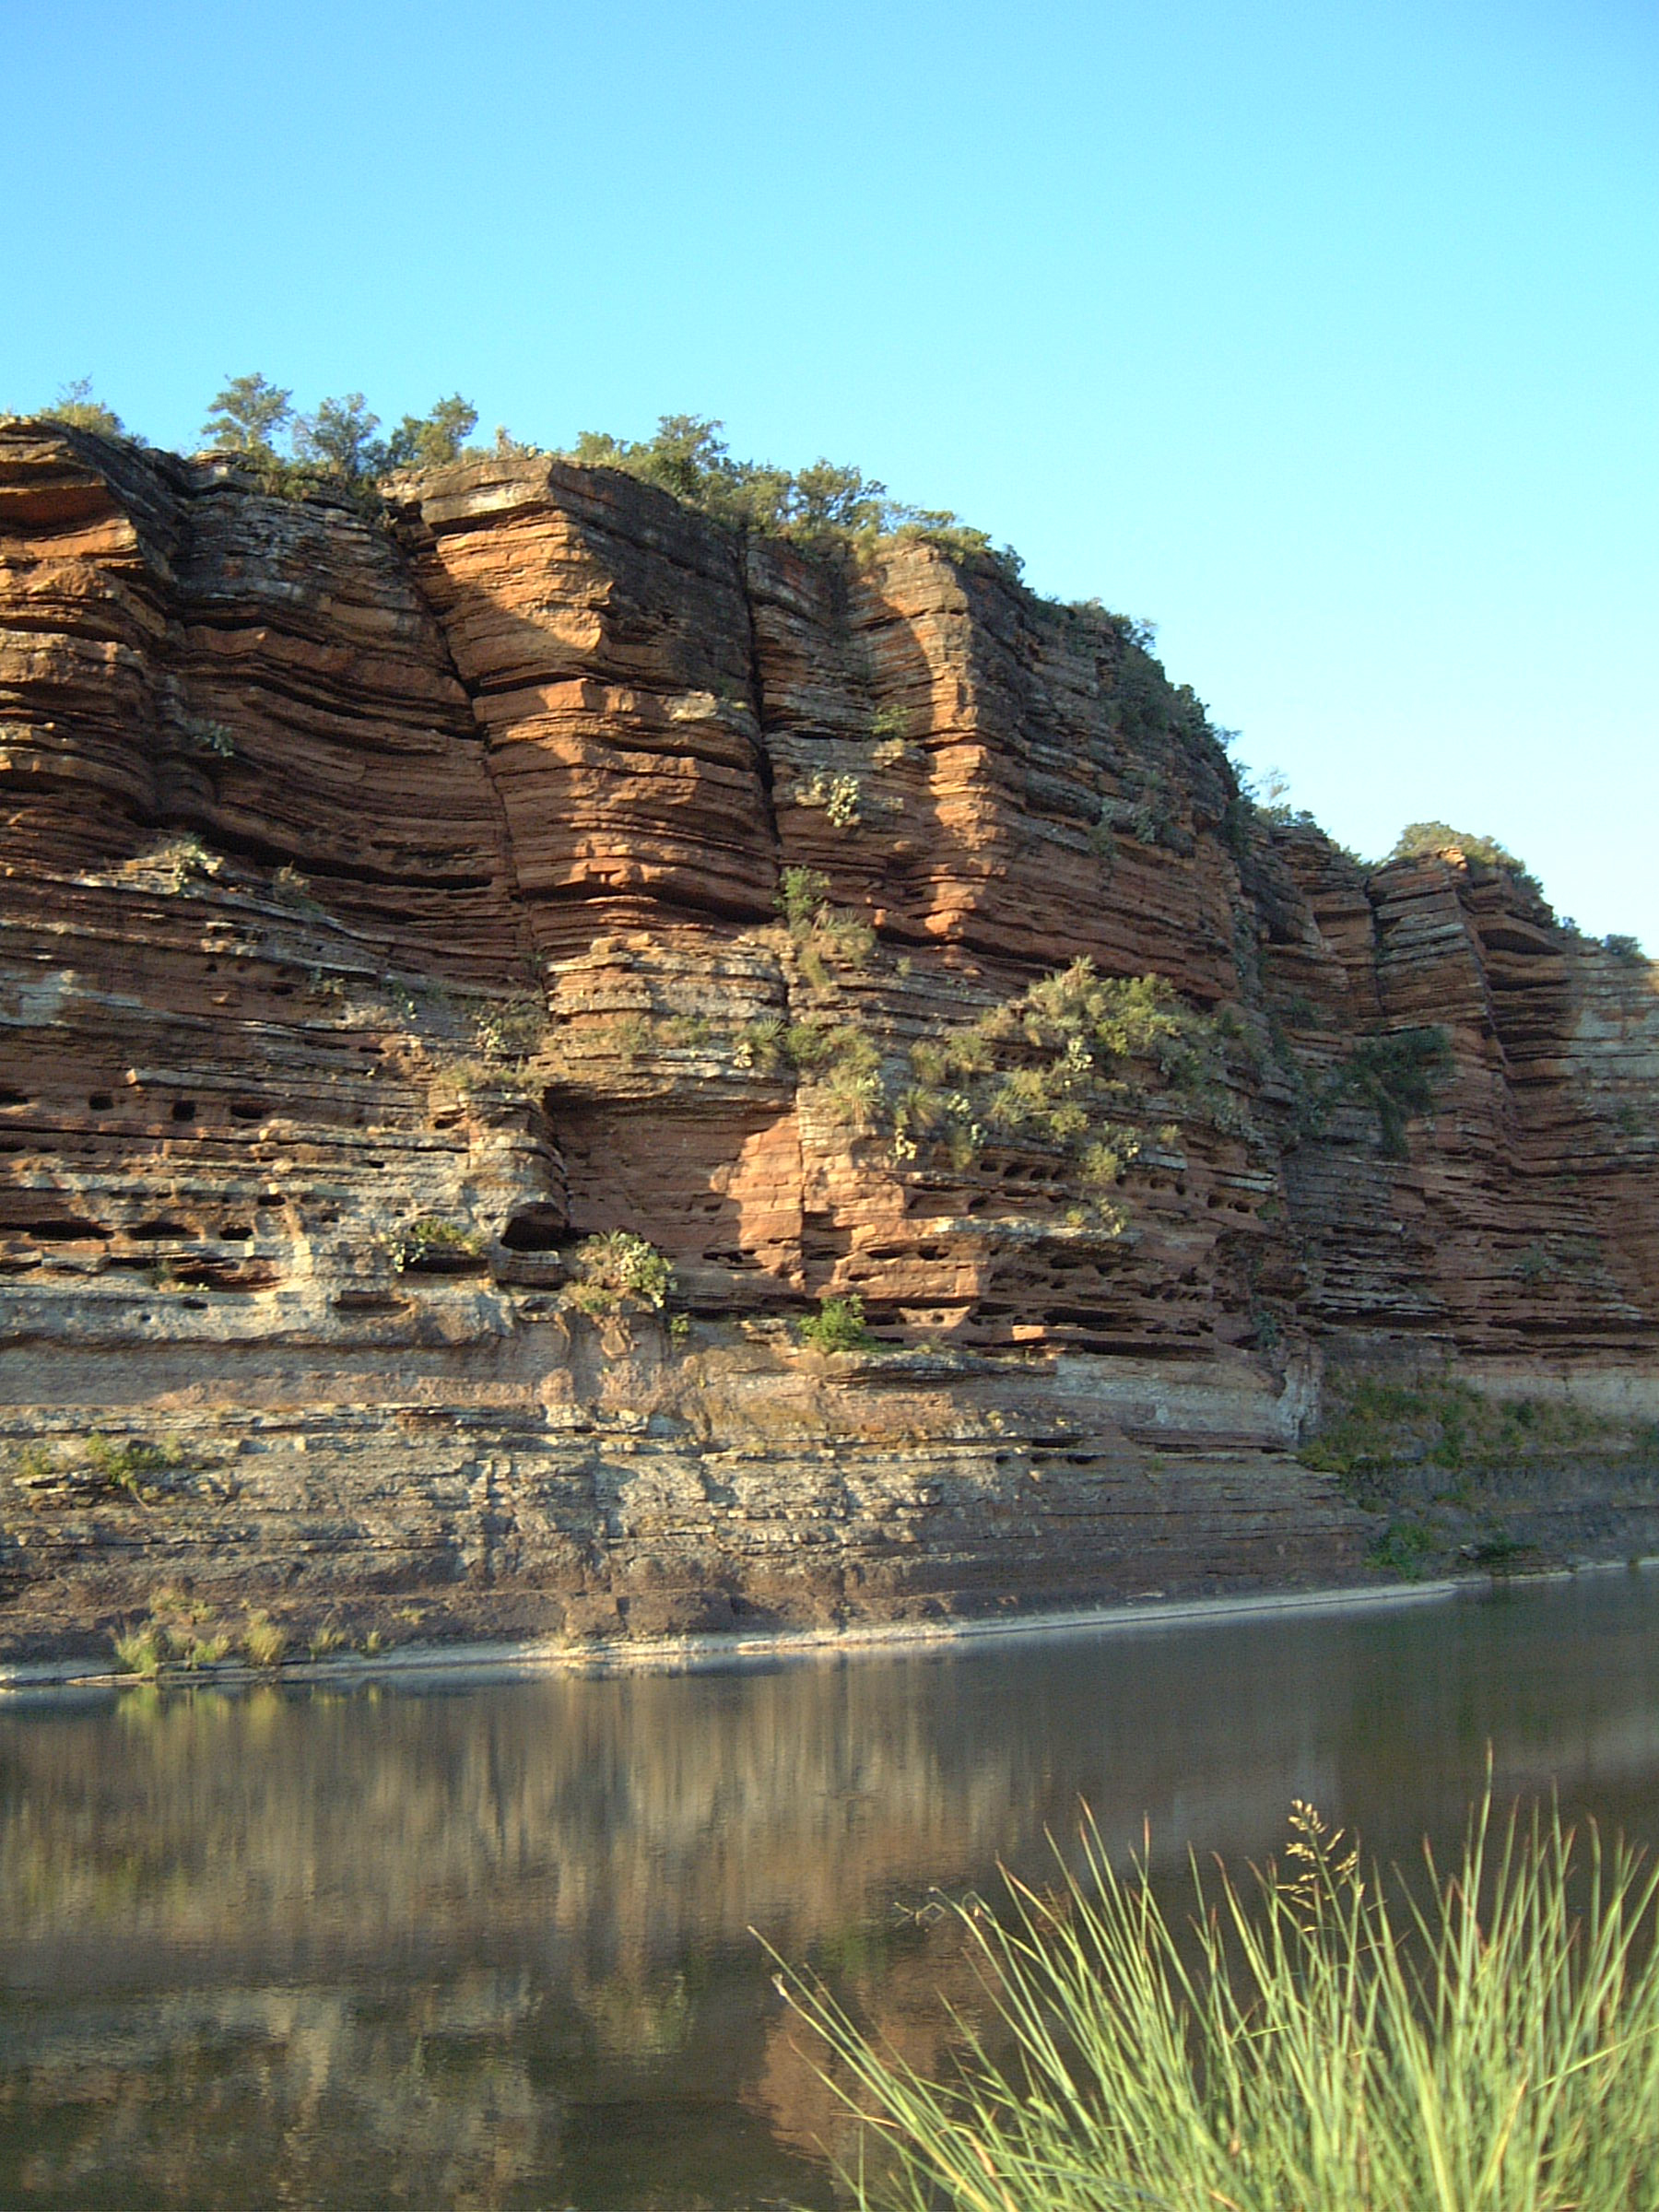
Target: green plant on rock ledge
[[618, 1269], [840, 796], [431, 1242], [820, 932], [837, 1327], [1060, 1063], [511, 1029], [1395, 1074]]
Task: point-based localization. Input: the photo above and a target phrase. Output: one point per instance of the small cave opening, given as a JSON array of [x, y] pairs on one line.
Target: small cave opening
[[100, 1101], [534, 1229], [184, 1110]]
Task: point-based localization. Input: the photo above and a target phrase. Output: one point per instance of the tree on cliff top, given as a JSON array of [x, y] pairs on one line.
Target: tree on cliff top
[[339, 439], [1422, 839], [433, 441], [250, 415], [75, 406], [824, 504], [247, 417]]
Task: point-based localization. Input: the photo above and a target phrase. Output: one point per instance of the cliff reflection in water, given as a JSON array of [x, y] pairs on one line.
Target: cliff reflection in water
[[491, 1948]]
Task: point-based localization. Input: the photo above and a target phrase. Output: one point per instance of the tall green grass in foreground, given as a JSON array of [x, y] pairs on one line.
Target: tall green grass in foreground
[[1308, 2046]]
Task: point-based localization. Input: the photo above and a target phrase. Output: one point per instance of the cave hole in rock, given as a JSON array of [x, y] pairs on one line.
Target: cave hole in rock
[[64, 1229], [268, 1198], [533, 1229], [247, 1110], [100, 1102], [9, 1097], [184, 1110]]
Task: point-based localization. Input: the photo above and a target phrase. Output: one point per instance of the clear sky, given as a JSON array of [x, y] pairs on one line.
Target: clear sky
[[1324, 335]]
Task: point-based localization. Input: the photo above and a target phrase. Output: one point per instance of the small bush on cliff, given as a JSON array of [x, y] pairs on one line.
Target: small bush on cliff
[[1420, 839], [618, 1267], [1396, 1075], [818, 931], [1373, 1429], [75, 406], [837, 1327], [1058, 1063], [264, 1642], [338, 446], [430, 1243]]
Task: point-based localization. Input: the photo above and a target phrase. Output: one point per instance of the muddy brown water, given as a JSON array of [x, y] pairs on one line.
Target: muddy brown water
[[487, 1944]]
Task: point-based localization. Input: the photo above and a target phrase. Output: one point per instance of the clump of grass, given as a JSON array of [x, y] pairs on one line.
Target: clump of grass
[[140, 1650], [1307, 2043], [264, 1642]]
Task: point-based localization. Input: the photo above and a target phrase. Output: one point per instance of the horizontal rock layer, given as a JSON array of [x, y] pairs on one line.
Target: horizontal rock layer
[[390, 904]]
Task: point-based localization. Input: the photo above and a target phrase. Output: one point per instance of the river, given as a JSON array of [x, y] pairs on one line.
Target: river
[[489, 1944]]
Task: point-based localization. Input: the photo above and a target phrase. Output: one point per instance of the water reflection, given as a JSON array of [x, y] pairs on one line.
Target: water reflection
[[491, 1947]]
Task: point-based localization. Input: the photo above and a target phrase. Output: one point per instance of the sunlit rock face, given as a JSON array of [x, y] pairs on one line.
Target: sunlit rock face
[[392, 903]]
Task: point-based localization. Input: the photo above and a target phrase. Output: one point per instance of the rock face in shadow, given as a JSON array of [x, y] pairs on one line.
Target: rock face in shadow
[[393, 904]]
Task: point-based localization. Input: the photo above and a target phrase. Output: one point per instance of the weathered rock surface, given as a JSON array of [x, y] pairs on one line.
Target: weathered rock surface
[[386, 908]]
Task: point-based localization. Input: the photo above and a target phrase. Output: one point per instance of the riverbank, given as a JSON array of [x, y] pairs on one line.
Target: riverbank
[[508, 1659]]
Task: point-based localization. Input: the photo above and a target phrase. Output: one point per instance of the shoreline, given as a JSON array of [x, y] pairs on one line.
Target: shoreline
[[717, 1651]]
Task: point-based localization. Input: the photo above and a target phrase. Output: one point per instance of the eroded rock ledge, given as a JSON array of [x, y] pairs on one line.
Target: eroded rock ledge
[[388, 910]]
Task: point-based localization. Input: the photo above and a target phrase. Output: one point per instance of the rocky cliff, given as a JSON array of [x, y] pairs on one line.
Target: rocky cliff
[[409, 920]]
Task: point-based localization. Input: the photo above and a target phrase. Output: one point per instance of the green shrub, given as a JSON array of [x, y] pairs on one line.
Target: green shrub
[[1396, 1075], [429, 1240], [247, 418], [1628, 949], [837, 1327], [1301, 2043], [840, 796], [1059, 1064], [132, 1466], [511, 1029], [620, 1266], [1434, 840], [75, 407], [801, 897], [1402, 1549]]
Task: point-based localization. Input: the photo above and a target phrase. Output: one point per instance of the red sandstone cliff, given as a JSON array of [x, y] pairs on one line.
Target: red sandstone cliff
[[388, 907]]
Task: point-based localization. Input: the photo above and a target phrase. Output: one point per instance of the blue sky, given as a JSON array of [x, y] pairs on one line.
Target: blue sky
[[1324, 336]]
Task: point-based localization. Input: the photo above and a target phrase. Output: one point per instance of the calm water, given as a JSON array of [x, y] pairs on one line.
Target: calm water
[[489, 1945]]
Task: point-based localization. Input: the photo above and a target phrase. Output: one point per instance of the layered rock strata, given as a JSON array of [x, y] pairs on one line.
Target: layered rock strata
[[391, 905]]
